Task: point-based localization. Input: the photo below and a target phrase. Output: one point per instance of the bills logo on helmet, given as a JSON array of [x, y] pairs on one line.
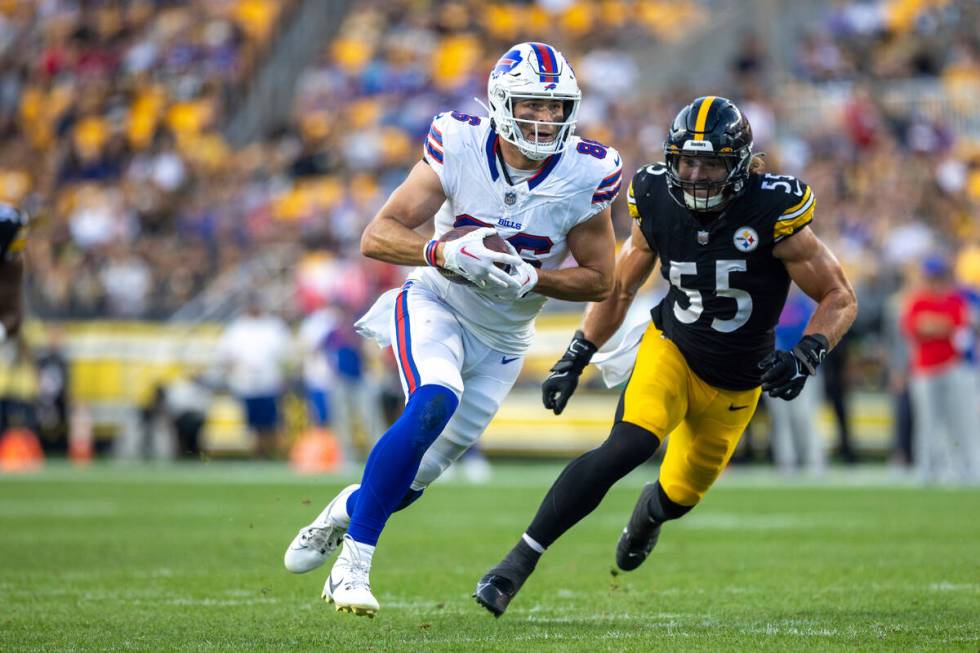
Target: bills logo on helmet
[[506, 63], [746, 239]]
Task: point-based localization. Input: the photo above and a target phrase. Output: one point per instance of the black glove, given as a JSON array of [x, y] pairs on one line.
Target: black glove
[[785, 372], [561, 383]]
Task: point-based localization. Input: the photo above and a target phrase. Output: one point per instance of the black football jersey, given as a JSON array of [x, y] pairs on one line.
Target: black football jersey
[[726, 287], [13, 232]]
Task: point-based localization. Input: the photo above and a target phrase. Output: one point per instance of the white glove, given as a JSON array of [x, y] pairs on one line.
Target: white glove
[[469, 257], [523, 274]]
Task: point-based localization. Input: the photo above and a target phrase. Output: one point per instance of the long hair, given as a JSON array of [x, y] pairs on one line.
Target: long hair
[[758, 163]]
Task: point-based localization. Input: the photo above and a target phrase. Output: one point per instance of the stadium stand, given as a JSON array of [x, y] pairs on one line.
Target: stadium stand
[[113, 117]]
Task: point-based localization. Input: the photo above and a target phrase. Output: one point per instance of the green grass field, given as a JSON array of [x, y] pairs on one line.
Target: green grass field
[[189, 558]]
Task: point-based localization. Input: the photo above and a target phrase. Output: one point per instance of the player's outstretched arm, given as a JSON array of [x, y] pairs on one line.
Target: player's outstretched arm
[[634, 264], [593, 245], [391, 235], [818, 273]]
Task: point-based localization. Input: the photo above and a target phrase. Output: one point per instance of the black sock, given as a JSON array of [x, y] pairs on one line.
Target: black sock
[[662, 508], [518, 564], [584, 482]]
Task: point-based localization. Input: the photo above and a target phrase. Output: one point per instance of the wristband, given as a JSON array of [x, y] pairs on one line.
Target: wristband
[[429, 253]]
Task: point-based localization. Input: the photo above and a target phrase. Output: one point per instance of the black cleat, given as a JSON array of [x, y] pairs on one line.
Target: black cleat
[[494, 593], [640, 535]]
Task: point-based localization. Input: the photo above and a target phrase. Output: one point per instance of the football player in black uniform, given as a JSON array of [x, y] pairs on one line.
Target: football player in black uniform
[[13, 237], [730, 240]]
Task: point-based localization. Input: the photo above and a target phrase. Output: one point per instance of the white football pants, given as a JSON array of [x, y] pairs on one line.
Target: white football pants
[[432, 347]]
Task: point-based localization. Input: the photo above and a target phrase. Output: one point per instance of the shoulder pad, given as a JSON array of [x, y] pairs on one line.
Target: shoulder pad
[[791, 201], [447, 131], [610, 167], [642, 184]]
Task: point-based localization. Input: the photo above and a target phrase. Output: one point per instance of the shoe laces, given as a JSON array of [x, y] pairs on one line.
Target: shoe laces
[[358, 570], [358, 576], [316, 536]]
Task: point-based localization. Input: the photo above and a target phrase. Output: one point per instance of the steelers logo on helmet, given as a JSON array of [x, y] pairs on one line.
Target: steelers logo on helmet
[[708, 151], [533, 71], [746, 239]]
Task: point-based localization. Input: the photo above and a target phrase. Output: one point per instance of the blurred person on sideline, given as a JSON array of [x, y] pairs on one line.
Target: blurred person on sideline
[[836, 391], [186, 402], [317, 375], [898, 364], [358, 401], [795, 438], [936, 322], [13, 239], [254, 350], [53, 402]]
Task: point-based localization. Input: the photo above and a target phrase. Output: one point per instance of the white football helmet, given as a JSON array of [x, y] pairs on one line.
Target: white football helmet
[[533, 70]]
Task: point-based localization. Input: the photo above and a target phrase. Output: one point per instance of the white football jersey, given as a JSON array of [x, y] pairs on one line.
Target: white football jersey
[[534, 215]]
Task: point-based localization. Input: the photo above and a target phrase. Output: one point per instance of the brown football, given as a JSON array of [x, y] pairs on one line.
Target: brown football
[[494, 243]]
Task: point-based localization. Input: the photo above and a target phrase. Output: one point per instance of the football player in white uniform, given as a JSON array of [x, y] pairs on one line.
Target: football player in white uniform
[[520, 173]]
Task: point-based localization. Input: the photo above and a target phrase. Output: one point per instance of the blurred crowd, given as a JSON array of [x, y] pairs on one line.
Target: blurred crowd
[[111, 115]]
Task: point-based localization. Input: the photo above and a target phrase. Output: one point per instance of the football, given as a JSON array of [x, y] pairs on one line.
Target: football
[[494, 243]]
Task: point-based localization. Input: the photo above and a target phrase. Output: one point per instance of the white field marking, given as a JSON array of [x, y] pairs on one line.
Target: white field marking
[[210, 602], [58, 508], [552, 636], [788, 628], [147, 597], [718, 521], [954, 587], [504, 476]]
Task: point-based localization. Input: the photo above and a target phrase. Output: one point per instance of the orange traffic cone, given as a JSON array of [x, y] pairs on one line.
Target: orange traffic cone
[[20, 451], [315, 452]]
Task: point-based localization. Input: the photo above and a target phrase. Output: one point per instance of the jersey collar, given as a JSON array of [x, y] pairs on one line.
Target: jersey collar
[[491, 147]]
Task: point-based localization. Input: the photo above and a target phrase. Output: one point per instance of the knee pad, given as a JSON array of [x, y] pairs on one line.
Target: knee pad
[[663, 508]]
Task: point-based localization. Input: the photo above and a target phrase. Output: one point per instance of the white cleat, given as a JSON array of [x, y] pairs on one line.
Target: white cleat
[[348, 586], [314, 543]]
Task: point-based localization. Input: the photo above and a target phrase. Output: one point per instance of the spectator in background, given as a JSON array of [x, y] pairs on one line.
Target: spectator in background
[[898, 360], [317, 373], [796, 441], [836, 391], [358, 407], [253, 351], [935, 321], [187, 401], [53, 400]]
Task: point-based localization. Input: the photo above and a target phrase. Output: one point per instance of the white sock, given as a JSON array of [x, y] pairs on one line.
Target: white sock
[[357, 551], [338, 513]]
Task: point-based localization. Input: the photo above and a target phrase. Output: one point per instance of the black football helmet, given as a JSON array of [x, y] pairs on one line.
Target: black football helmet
[[713, 127]]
